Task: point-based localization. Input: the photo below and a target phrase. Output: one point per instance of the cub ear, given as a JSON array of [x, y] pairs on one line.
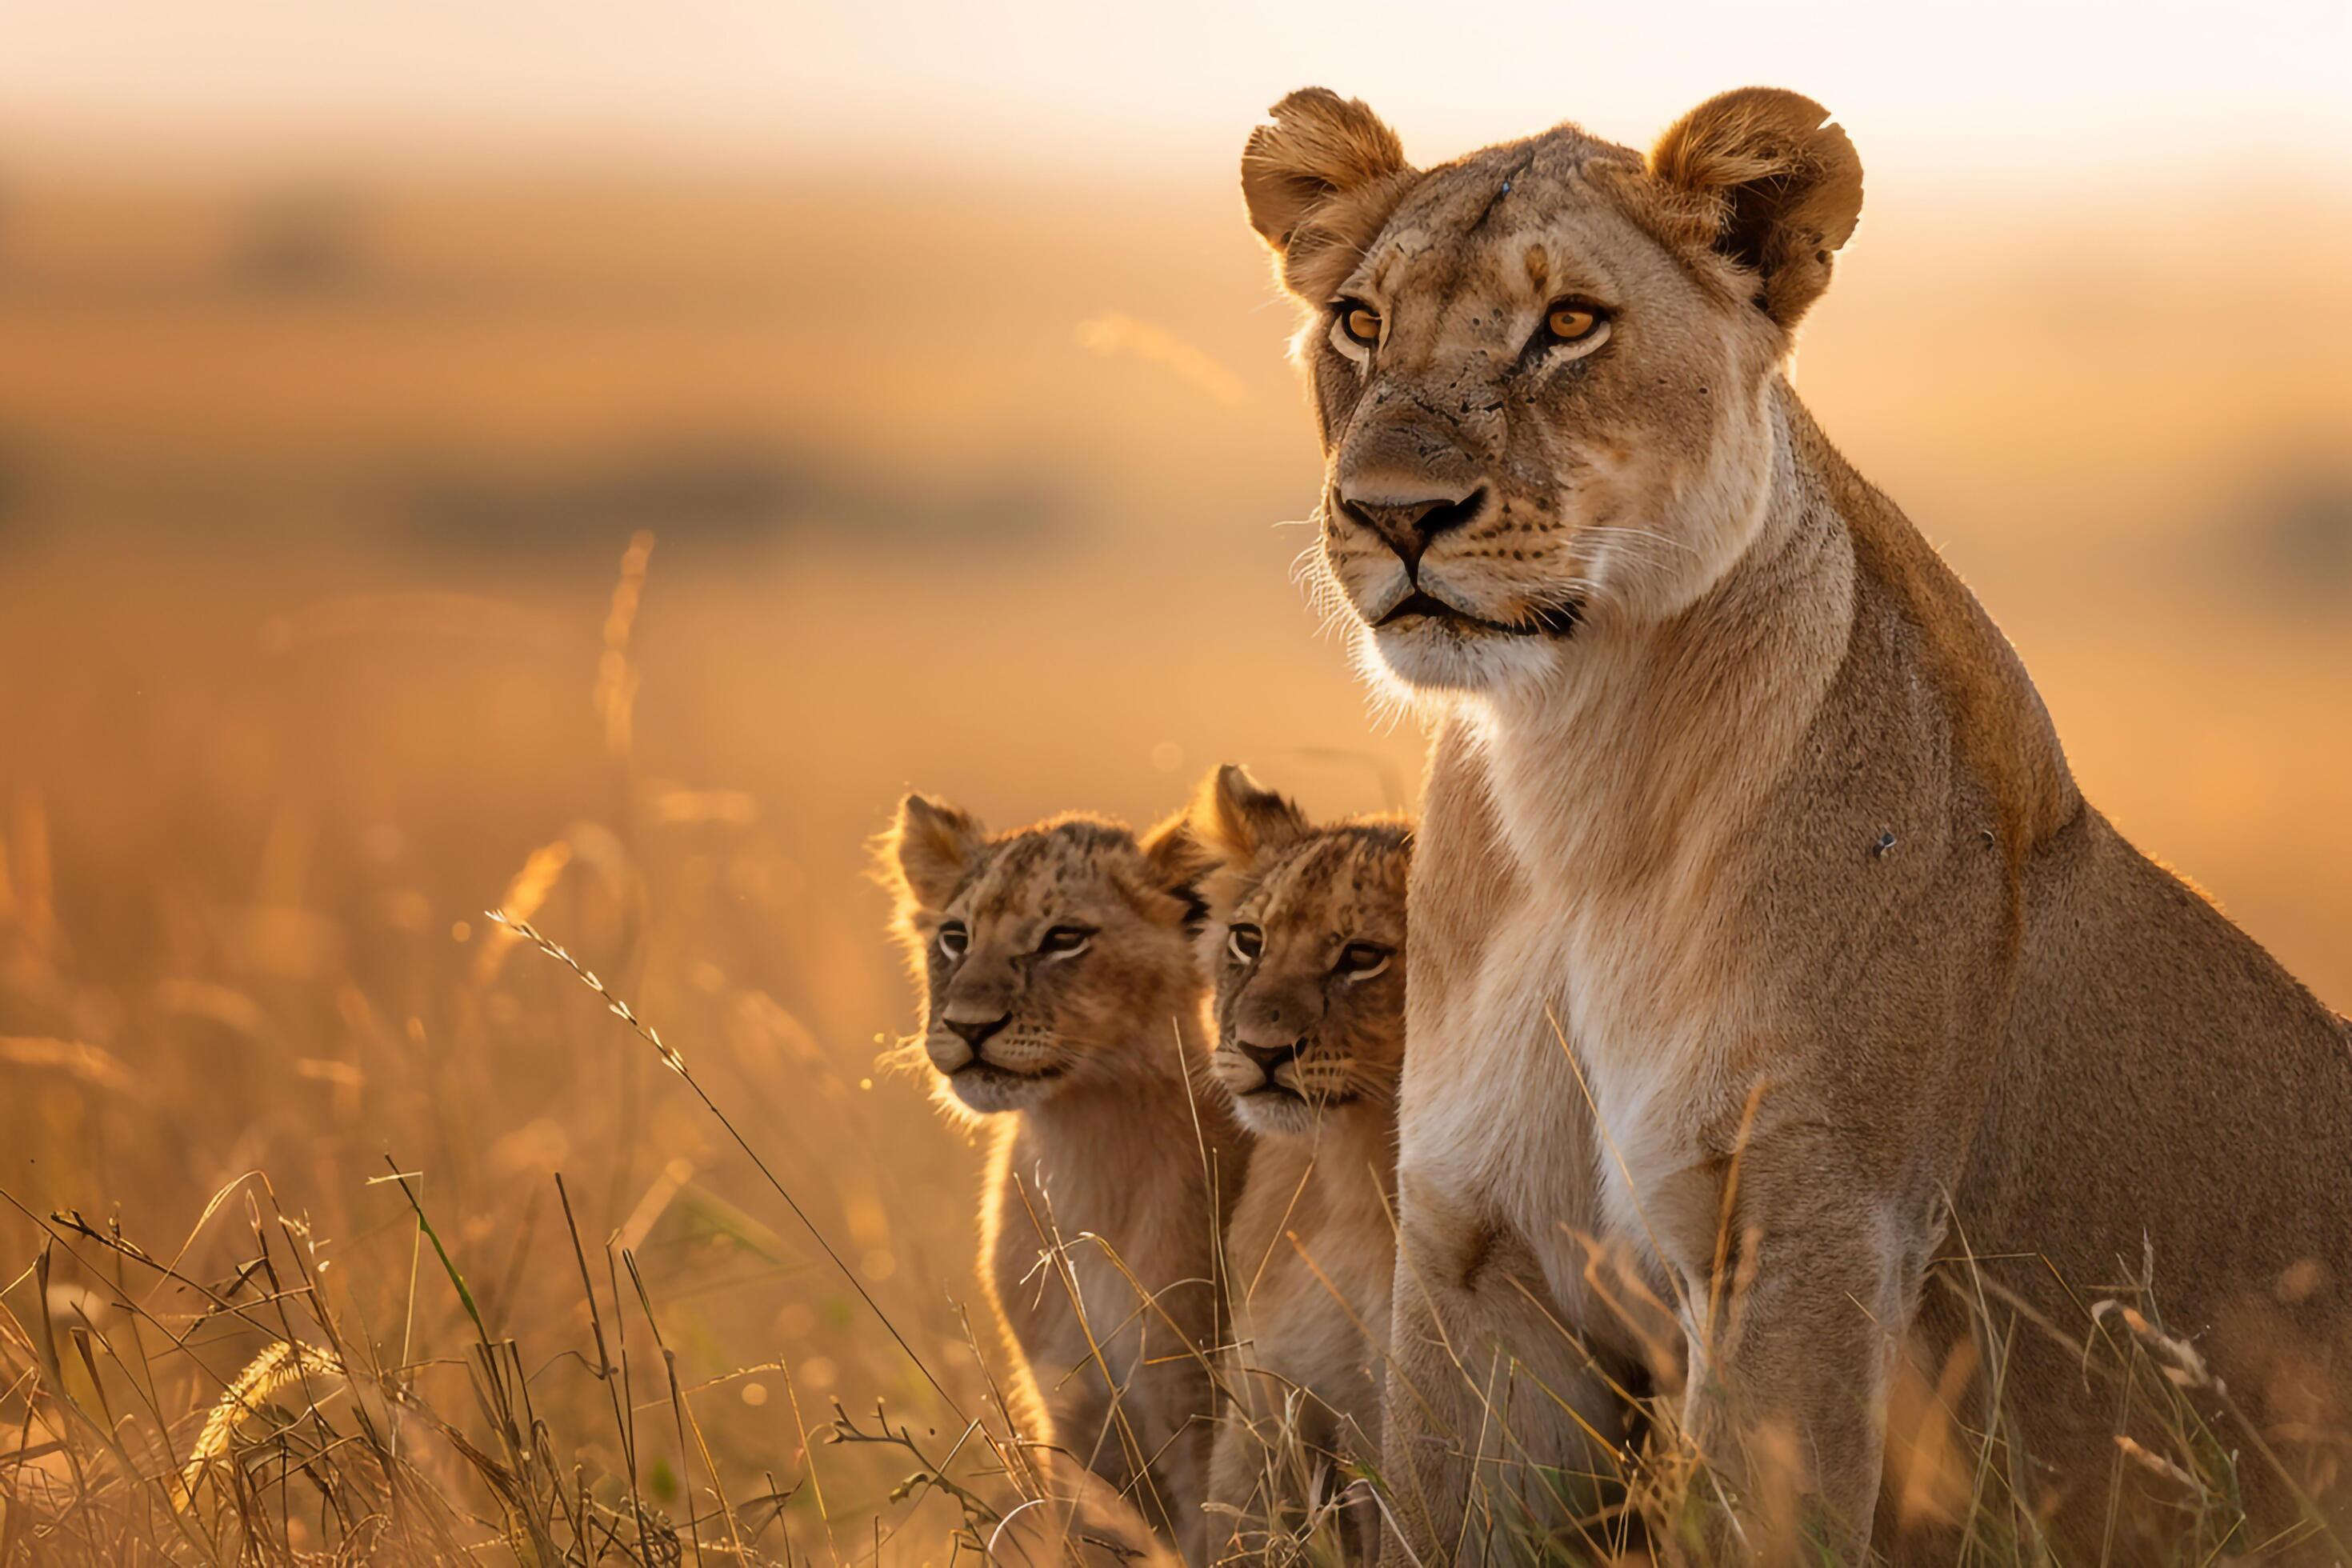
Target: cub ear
[[1781, 187], [1320, 181], [926, 853], [1240, 821], [1175, 860]]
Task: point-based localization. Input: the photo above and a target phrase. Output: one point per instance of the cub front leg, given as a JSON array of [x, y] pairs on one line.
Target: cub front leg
[[1180, 1433], [1240, 1495], [1142, 1442], [1085, 1430], [1488, 1453], [1234, 1502]]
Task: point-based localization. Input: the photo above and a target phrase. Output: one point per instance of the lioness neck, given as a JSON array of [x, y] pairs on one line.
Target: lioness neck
[[1659, 735], [1662, 740]]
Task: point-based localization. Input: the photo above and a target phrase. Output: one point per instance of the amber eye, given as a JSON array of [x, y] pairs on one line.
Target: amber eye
[[1362, 959], [1570, 320], [1360, 322], [1245, 942], [954, 940]]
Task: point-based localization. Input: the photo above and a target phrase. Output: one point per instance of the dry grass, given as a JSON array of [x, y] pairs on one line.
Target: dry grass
[[289, 1273], [437, 1363]]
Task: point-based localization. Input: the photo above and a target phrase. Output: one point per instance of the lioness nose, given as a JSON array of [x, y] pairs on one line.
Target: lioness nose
[[1269, 1057], [1407, 527]]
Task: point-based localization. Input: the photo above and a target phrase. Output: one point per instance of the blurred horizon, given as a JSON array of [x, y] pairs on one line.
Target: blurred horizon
[[2116, 403], [348, 352]]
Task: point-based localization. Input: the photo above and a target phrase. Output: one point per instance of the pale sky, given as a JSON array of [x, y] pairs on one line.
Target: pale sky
[[1080, 85]]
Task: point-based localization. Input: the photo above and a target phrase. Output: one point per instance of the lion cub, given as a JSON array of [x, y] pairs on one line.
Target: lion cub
[[1062, 1002], [1305, 942]]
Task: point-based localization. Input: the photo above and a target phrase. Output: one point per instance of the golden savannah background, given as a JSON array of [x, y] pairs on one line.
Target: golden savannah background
[[590, 460]]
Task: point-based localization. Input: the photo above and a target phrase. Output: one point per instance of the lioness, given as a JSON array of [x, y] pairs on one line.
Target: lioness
[[1061, 999], [1305, 943], [1758, 926]]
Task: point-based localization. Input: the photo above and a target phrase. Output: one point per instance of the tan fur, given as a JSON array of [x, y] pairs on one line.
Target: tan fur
[[1311, 1253], [1111, 1165], [1762, 939], [1316, 181], [1778, 188]]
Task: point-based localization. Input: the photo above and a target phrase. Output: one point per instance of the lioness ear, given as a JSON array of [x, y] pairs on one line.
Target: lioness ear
[[1242, 821], [928, 850], [1320, 181], [1781, 186]]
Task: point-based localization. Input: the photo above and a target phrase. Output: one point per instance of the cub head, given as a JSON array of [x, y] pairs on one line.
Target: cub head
[[1544, 372], [1305, 941], [1052, 958]]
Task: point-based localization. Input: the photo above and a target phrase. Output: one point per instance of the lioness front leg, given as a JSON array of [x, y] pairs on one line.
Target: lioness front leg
[[1491, 1402], [1788, 1406]]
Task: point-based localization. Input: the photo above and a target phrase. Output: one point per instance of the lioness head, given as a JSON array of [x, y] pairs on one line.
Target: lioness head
[[1053, 957], [1304, 940], [1542, 371]]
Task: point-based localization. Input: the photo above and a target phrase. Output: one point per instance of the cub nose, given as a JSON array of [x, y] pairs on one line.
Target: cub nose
[[1269, 1057], [975, 1030], [1407, 527]]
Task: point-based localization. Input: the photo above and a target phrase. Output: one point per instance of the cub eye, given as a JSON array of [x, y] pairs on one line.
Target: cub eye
[[1362, 959], [954, 939], [1062, 942], [1358, 322], [1573, 322], [1245, 942]]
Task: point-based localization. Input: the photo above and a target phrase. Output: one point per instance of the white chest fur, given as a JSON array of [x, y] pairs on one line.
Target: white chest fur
[[1583, 1090], [1595, 1049]]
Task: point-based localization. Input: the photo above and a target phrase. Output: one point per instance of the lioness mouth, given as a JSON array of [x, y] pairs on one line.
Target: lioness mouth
[[1552, 620]]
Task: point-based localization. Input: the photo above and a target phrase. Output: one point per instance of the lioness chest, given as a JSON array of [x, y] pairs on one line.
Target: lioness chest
[[1578, 1072], [1584, 1088]]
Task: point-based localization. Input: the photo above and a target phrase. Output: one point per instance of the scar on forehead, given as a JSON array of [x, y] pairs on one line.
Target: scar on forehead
[[1539, 267]]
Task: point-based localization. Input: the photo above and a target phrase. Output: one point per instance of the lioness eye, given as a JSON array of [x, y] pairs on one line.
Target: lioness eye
[[954, 939], [1061, 942], [1362, 959], [1360, 322], [1245, 942], [1571, 321]]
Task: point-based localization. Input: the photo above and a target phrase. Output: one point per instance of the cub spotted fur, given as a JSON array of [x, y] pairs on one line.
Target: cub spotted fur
[[1305, 942], [1759, 927], [1061, 1000]]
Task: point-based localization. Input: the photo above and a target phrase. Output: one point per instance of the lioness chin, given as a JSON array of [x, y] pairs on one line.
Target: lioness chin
[[1761, 932]]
